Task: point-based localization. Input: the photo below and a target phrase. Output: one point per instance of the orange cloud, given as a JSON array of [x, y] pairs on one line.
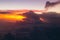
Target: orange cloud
[[11, 18]]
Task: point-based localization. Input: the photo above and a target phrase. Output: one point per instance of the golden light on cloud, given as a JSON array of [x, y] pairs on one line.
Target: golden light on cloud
[[14, 12], [11, 18], [42, 19]]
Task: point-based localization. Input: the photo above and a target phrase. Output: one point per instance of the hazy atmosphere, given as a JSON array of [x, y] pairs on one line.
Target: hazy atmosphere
[[29, 19], [23, 4]]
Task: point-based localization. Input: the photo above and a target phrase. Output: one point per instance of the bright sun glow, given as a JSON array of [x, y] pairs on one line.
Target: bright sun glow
[[11, 18]]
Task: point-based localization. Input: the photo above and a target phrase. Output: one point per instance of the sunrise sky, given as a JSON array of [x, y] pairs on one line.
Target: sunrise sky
[[23, 4]]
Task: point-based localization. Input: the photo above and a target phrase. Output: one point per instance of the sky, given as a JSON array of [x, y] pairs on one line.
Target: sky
[[23, 4]]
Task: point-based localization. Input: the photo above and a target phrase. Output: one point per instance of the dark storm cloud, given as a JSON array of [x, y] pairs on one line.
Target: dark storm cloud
[[5, 12], [51, 17], [51, 4], [31, 20], [33, 17]]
